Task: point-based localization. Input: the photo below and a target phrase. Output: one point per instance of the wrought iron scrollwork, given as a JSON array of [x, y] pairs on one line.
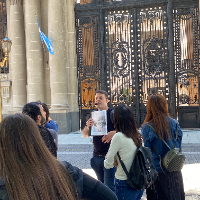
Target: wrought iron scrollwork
[[139, 49], [150, 15], [154, 56], [87, 22], [185, 13], [120, 59]]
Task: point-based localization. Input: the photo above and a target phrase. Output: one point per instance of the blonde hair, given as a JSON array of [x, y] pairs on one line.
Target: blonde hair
[[29, 170]]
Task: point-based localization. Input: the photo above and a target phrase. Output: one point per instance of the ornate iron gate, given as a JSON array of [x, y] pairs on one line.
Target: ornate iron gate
[[135, 48]]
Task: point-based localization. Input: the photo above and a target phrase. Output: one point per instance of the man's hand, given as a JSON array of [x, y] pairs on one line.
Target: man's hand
[[107, 138], [89, 122], [85, 131]]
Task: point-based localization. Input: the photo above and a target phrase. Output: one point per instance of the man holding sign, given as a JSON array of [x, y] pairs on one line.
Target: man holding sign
[[101, 142]]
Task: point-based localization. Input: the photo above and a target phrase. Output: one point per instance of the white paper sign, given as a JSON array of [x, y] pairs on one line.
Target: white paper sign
[[100, 123]]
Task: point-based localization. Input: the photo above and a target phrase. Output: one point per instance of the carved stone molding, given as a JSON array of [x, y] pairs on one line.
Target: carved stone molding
[[16, 2], [5, 90], [3, 76], [5, 93]]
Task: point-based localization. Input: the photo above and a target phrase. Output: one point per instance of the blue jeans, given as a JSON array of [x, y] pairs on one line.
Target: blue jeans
[[125, 192], [104, 175]]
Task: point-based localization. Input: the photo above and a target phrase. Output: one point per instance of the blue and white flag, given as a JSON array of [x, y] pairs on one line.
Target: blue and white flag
[[45, 39]]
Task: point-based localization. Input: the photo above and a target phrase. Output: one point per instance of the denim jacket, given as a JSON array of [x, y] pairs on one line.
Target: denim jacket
[[52, 125], [151, 140]]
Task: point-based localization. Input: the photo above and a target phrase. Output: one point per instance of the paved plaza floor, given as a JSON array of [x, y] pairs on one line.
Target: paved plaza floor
[[78, 151]]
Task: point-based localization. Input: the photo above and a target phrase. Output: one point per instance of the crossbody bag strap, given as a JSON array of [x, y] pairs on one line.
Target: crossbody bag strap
[[176, 135], [162, 140], [160, 162], [123, 165]]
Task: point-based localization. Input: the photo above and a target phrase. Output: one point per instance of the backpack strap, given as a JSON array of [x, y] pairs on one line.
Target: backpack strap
[[165, 143], [123, 165]]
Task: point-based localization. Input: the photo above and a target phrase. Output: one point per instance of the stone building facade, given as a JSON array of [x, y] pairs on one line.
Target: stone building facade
[[34, 74]]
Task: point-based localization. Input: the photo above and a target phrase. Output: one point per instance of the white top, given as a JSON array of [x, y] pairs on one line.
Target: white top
[[127, 150]]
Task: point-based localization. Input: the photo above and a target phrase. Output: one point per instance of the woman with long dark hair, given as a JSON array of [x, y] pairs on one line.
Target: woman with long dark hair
[[29, 171], [125, 141], [50, 124], [159, 126]]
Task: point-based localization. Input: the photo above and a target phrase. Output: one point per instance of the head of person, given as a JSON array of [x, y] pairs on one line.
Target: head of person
[[28, 168], [101, 100], [157, 112], [46, 109], [124, 122], [35, 111]]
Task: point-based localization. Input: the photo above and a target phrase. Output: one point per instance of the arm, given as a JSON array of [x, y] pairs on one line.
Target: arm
[[94, 189], [145, 133], [114, 148], [52, 125], [107, 138], [85, 131], [54, 135]]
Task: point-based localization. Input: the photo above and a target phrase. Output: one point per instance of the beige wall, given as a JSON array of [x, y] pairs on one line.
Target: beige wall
[[49, 78]]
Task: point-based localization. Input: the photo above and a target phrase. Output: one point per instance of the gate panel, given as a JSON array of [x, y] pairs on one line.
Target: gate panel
[[118, 56], [152, 54], [88, 63], [187, 66], [130, 78]]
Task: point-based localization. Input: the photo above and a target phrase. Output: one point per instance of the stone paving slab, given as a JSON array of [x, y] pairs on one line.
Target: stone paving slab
[[189, 136], [80, 154]]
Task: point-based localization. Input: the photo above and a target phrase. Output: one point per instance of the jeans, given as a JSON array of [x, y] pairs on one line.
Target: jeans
[[125, 192], [104, 175]]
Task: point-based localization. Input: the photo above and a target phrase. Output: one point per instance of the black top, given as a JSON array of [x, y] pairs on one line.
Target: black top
[[48, 139], [101, 148]]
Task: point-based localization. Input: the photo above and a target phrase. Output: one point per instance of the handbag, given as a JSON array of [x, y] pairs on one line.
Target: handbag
[[142, 173], [174, 159]]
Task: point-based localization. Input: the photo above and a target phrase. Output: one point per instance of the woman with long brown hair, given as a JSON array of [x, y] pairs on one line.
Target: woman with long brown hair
[[29, 171], [159, 126], [125, 142]]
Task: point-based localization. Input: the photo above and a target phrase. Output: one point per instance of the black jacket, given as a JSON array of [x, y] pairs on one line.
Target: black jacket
[[48, 139]]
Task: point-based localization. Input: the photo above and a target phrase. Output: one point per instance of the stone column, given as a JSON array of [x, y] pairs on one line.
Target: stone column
[[72, 88], [44, 28], [34, 51], [57, 63], [18, 54]]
